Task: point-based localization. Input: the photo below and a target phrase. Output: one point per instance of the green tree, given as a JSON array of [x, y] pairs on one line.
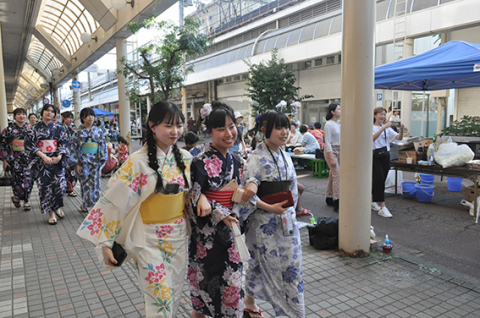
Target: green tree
[[160, 64], [270, 82]]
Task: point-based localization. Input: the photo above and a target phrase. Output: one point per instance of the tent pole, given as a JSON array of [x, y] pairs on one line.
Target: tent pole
[[423, 111]]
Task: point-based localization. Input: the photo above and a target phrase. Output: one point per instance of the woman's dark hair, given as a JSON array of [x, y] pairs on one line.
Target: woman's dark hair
[[19, 111], [32, 114], [191, 138], [85, 113], [218, 115], [317, 125], [169, 113], [67, 115], [331, 108], [273, 119], [123, 140], [45, 107]]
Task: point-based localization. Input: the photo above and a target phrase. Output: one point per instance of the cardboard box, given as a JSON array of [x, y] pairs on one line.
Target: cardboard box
[[404, 154], [470, 194]]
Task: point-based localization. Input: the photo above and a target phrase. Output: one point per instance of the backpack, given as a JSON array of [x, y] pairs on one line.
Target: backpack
[[324, 235]]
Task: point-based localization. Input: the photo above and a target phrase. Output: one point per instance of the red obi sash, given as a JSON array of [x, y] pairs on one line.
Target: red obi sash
[[222, 197], [47, 146]]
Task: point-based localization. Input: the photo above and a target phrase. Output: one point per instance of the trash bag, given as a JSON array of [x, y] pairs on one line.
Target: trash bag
[[390, 182], [453, 155], [324, 235]]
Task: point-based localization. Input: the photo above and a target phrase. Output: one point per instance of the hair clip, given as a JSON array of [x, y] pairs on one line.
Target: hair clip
[[206, 110]]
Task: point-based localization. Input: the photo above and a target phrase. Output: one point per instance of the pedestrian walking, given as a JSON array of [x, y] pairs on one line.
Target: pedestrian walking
[[70, 171], [89, 155], [143, 211], [47, 144], [382, 135], [13, 154], [332, 154], [271, 232], [214, 267]]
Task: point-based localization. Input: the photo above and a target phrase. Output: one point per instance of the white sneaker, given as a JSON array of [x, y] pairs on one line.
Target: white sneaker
[[375, 206], [384, 212]]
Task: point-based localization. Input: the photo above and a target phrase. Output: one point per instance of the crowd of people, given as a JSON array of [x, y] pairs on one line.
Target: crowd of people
[[56, 155], [173, 210]]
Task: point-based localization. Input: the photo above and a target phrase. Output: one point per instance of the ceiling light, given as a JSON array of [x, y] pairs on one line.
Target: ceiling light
[[120, 4], [86, 38]]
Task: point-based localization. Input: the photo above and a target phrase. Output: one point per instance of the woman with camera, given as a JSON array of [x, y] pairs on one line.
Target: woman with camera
[[382, 135]]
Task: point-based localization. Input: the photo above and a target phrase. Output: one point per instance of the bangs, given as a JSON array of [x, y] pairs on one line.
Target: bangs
[[275, 119], [174, 118]]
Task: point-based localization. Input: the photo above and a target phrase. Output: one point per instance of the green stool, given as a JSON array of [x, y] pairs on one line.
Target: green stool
[[320, 168]]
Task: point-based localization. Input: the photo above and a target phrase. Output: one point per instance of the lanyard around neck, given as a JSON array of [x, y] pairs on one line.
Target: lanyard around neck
[[284, 161]]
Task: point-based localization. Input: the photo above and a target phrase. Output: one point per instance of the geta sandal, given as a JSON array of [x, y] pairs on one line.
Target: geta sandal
[[84, 210], [15, 203], [72, 194], [304, 212], [52, 220], [249, 313], [27, 207], [59, 213]]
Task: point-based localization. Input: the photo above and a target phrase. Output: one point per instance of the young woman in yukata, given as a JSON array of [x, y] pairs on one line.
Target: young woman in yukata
[[274, 271], [12, 151], [47, 144], [89, 155], [214, 268], [143, 210]]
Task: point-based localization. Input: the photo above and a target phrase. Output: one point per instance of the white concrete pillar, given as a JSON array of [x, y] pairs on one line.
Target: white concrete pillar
[[3, 93], [77, 106], [123, 102], [406, 113], [358, 66]]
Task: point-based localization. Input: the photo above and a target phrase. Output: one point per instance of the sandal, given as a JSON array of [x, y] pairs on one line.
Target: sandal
[[15, 203], [84, 210], [27, 207], [304, 212], [249, 313], [72, 194], [60, 213], [52, 220]]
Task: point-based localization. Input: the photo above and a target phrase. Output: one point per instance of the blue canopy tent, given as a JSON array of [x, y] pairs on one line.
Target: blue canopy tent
[[455, 64], [102, 113]]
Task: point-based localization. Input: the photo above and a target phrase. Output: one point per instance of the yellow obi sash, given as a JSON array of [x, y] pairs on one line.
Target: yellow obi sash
[[162, 208], [18, 145]]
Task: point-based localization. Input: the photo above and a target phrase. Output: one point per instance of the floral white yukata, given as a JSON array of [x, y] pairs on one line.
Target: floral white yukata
[[159, 250], [275, 269]]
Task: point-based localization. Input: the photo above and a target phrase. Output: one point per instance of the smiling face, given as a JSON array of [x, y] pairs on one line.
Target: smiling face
[[68, 121], [224, 137], [167, 134], [380, 117], [48, 114], [20, 118], [278, 137]]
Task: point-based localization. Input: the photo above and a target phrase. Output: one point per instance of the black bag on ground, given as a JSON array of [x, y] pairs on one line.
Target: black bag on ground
[[319, 154], [324, 235]]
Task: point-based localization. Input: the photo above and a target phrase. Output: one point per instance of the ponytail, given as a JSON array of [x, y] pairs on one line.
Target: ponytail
[[152, 159], [180, 163]]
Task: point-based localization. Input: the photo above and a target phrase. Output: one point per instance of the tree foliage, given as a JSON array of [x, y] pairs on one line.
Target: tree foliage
[[270, 82], [160, 64]]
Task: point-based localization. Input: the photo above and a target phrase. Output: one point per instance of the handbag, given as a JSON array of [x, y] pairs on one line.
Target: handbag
[[319, 154], [5, 178], [118, 253], [381, 152]]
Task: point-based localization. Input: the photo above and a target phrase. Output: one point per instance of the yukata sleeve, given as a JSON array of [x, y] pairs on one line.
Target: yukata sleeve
[[251, 173], [200, 178], [102, 149], [6, 151], [31, 143], [62, 142], [104, 222], [76, 154]]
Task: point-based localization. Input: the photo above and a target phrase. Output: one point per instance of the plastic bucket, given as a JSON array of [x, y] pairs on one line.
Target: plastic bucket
[[409, 190], [424, 192], [454, 184], [426, 178]]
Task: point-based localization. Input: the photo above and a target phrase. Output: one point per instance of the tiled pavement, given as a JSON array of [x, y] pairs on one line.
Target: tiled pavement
[[48, 271]]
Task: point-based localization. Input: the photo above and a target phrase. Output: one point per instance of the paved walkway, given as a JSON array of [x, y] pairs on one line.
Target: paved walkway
[[48, 271]]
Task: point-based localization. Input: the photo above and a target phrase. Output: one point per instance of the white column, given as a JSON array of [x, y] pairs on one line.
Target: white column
[[149, 106], [357, 125], [3, 93], [406, 113], [77, 107], [123, 103]]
